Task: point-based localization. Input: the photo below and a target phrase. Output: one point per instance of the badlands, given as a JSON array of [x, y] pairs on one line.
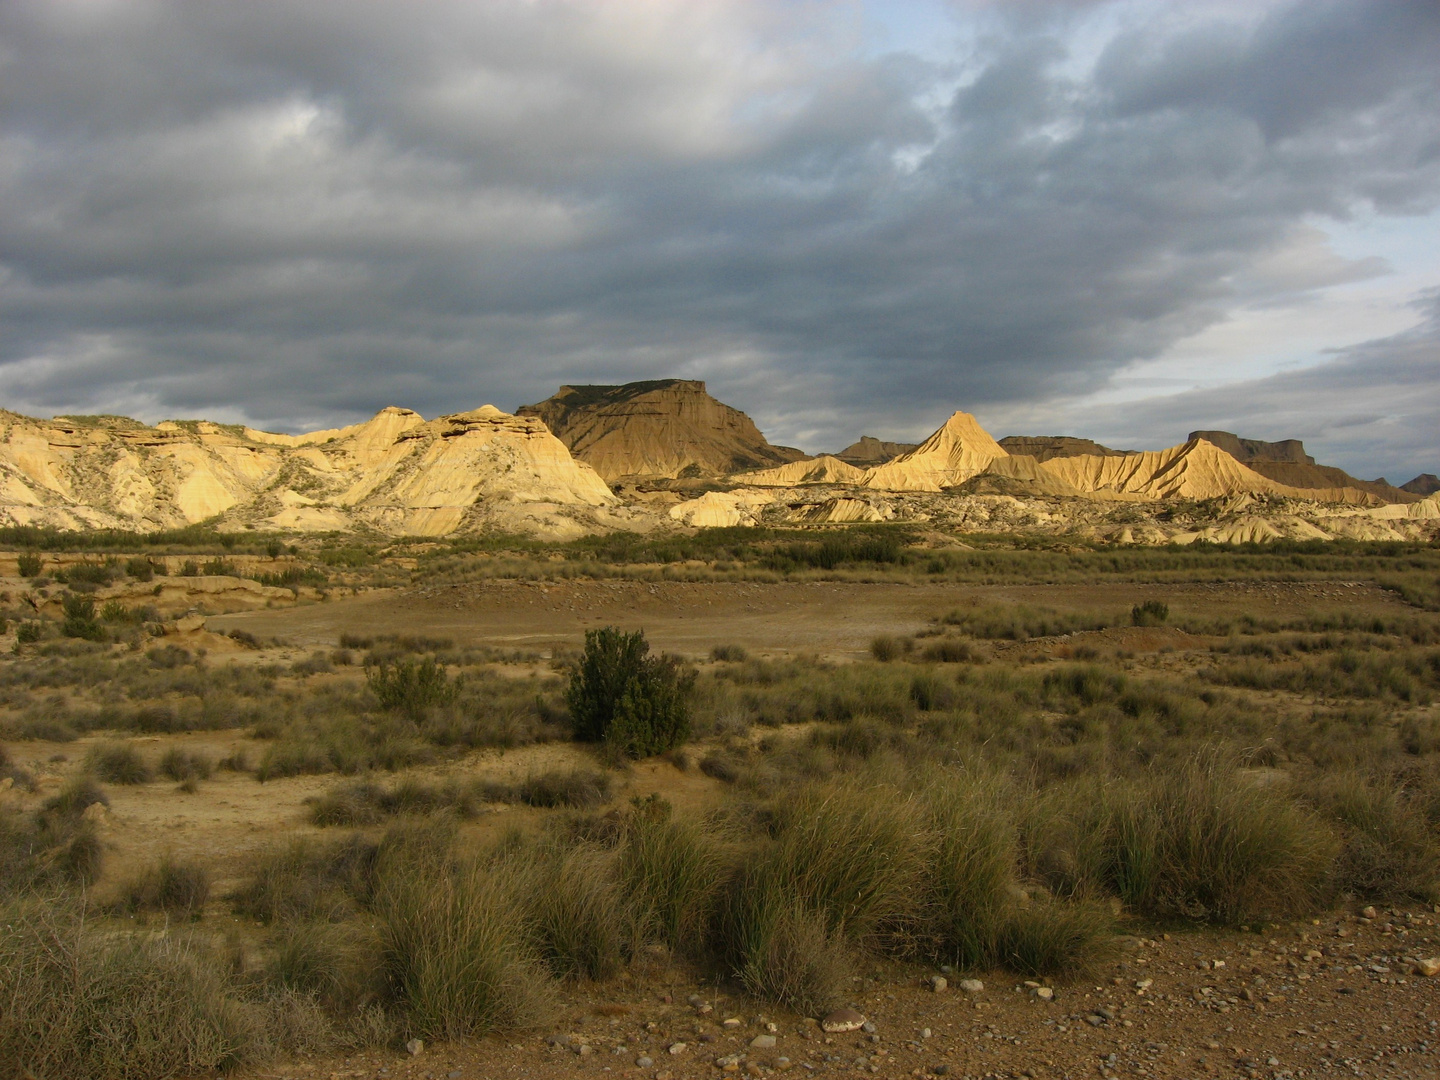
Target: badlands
[[665, 455]]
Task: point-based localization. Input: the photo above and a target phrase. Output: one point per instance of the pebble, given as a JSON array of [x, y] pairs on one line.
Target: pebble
[[1429, 968], [1369, 913], [584, 1050], [643, 1062], [869, 1027], [416, 1047], [763, 1042], [1044, 993], [970, 986], [731, 1023], [679, 1048], [939, 983], [842, 1020]]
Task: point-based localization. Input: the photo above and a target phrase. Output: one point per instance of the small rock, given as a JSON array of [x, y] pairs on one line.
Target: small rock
[[558, 1040], [1272, 1061], [1094, 1019], [1105, 1013], [1369, 913], [782, 1063], [1217, 964], [939, 983], [415, 1047], [678, 1048], [1429, 968], [1144, 984], [869, 1027], [842, 1020], [643, 1062], [925, 1033], [731, 1023], [695, 1001], [970, 986], [941, 1070], [452, 1074], [1044, 993], [584, 1050], [763, 1042]]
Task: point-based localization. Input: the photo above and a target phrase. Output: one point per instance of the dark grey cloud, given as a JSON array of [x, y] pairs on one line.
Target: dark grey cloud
[[296, 213]]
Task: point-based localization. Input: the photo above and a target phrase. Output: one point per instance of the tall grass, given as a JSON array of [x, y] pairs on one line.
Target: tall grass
[[455, 946]]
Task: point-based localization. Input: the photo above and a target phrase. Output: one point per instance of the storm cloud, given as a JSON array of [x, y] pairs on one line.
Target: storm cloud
[[293, 214]]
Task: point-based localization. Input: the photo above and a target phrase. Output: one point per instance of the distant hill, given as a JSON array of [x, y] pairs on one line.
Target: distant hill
[[1424, 484], [1250, 450], [1045, 447], [661, 428], [868, 451]]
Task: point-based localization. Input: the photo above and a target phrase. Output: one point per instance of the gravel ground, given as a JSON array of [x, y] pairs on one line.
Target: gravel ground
[[1341, 996]]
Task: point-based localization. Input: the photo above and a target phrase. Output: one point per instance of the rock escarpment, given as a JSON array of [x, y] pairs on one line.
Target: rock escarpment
[[1045, 447], [665, 428], [395, 472]]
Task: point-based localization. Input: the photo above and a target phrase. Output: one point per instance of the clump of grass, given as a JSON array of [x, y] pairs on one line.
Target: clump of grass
[[1150, 613], [673, 869], [577, 788], [306, 880], [730, 654], [369, 803], [93, 1007], [337, 963], [1200, 841], [455, 948], [1389, 848], [887, 647], [118, 763], [1020, 622], [1046, 938], [583, 924], [972, 873], [172, 885], [783, 950], [178, 764]]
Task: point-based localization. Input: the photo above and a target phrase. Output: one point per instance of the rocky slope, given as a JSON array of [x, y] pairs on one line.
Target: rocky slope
[[395, 473], [1422, 485], [665, 428], [960, 449]]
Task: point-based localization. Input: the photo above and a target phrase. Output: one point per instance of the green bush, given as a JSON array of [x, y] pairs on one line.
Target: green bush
[[27, 633], [80, 619], [30, 564], [619, 695], [140, 569], [410, 686]]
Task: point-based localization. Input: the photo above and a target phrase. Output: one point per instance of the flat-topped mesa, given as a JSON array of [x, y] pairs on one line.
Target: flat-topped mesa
[[1286, 463], [1252, 450], [960, 449], [660, 428], [1045, 447], [867, 451]]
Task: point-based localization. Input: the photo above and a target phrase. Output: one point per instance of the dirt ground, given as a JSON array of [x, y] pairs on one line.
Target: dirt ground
[[1331, 998], [830, 619]]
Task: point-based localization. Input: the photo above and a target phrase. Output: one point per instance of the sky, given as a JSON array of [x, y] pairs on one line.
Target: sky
[[1121, 221]]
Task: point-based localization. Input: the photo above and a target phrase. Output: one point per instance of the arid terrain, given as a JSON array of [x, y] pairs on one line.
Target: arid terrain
[[225, 726]]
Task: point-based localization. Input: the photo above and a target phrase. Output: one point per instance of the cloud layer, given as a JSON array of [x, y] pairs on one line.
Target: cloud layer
[[295, 213]]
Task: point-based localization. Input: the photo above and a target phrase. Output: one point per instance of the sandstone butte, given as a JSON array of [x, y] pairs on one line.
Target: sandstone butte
[[665, 428], [396, 472]]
